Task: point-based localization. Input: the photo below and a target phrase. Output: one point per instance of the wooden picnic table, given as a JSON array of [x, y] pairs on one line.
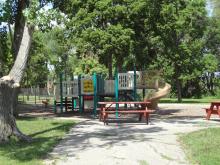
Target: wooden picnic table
[[213, 109], [136, 107]]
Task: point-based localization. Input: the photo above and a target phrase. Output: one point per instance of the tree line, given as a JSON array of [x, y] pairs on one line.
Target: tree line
[[50, 36], [177, 37]]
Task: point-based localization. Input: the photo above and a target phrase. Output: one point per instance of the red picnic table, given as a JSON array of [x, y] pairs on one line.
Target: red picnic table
[[213, 109], [138, 107]]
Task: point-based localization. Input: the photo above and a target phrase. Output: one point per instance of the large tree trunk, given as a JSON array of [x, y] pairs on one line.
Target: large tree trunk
[[18, 31], [8, 87]]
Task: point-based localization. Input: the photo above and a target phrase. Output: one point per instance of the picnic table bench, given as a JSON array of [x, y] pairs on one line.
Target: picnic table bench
[[213, 109], [138, 107]]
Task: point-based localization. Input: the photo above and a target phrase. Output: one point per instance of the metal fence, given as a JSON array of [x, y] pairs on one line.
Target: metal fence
[[35, 95]]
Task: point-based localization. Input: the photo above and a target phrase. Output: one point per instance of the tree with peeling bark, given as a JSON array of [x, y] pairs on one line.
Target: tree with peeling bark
[[9, 84]]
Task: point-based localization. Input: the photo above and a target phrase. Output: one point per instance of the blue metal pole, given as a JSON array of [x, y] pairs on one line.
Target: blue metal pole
[[80, 95], [95, 94], [144, 93], [55, 106], [61, 92], [72, 101], [116, 92], [135, 85], [64, 76]]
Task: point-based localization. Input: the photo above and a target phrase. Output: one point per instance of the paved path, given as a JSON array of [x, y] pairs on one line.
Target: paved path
[[90, 142]]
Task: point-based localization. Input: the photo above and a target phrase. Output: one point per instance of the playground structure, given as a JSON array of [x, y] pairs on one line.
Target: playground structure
[[71, 93], [95, 88], [162, 92]]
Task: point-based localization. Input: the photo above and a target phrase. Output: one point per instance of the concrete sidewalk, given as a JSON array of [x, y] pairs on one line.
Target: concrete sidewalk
[[90, 142]]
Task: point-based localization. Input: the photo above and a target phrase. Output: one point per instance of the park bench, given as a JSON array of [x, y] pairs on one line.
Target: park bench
[[106, 109], [213, 109]]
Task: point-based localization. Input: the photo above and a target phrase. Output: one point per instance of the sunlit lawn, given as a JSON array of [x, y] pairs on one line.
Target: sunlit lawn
[[45, 132], [203, 147], [185, 100]]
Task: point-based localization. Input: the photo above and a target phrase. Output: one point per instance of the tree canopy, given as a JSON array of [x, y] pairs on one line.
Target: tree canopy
[[172, 36]]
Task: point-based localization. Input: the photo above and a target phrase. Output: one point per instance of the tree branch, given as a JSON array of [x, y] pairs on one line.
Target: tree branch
[[17, 70]]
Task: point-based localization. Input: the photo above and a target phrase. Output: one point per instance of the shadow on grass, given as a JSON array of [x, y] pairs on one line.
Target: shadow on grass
[[63, 127], [26, 118], [43, 142], [24, 152]]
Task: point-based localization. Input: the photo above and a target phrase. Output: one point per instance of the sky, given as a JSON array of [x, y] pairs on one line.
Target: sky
[[209, 8]]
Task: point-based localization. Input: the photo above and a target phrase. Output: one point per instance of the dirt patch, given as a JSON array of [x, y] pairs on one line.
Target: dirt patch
[[33, 110], [165, 111], [182, 110], [38, 110]]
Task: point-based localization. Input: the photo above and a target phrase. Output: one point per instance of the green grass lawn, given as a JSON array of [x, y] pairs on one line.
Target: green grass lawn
[[196, 101], [203, 147], [45, 132]]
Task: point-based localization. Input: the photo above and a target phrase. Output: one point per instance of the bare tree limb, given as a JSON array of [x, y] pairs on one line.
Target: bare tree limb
[[17, 70]]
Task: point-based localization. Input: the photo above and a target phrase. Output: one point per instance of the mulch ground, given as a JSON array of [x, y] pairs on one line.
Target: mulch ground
[[38, 110], [165, 111]]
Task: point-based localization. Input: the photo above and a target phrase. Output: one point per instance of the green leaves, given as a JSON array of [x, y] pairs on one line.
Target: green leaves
[[101, 27], [168, 35], [90, 65], [210, 63]]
